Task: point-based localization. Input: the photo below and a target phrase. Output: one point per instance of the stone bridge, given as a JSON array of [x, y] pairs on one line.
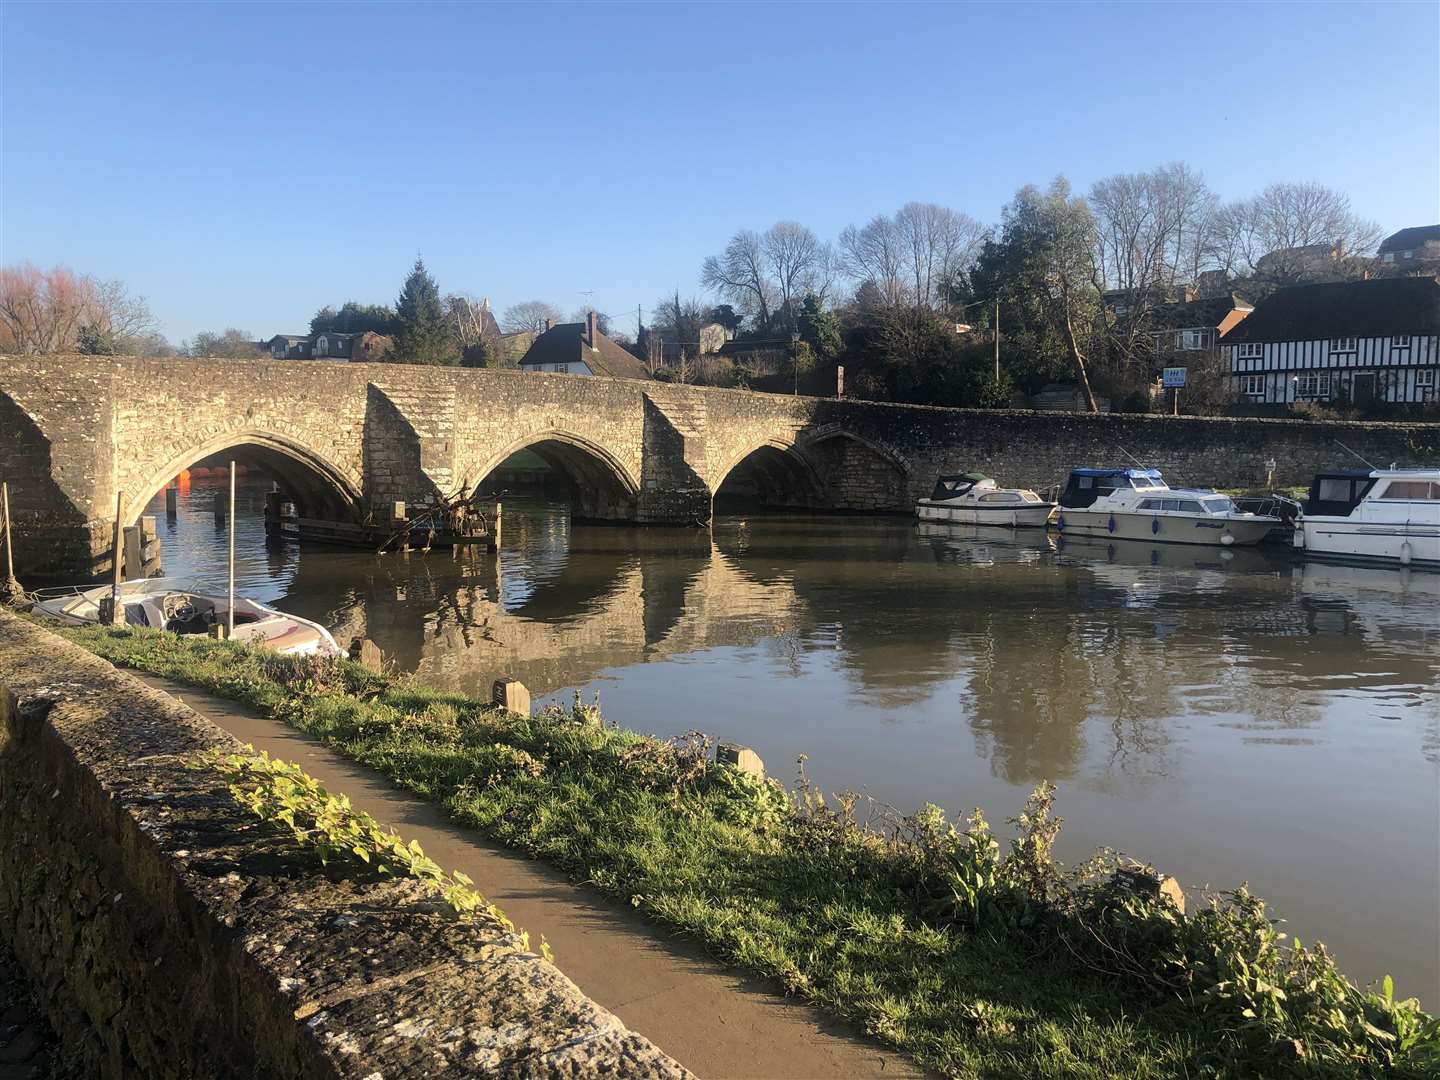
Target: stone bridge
[[344, 440]]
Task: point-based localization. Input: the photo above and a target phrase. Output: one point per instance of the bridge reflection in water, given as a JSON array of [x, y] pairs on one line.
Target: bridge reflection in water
[[1230, 716]]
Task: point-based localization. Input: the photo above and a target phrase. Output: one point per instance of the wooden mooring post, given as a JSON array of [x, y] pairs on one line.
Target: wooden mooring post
[[117, 568], [12, 587], [495, 521]]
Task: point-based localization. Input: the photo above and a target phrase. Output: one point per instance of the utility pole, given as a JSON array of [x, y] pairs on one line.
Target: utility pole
[[997, 339]]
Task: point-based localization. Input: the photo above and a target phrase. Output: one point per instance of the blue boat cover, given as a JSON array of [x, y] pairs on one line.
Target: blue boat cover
[[1134, 474]]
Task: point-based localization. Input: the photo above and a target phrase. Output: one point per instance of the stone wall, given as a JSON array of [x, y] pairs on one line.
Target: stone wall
[[171, 935], [348, 439]]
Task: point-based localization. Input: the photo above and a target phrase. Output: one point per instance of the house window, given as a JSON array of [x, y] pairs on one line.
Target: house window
[[1400, 341], [1252, 385], [1312, 384], [1389, 256], [1250, 350], [1407, 254], [1342, 344], [1190, 339], [1425, 384]]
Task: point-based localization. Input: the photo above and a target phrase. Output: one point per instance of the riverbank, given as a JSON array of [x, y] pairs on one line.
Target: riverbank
[[974, 962]]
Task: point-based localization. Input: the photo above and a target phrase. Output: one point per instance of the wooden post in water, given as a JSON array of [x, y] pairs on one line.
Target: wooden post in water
[[172, 501], [117, 560], [12, 587], [495, 529], [230, 615]]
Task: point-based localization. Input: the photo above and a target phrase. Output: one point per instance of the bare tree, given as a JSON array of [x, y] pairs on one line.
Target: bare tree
[[937, 242], [873, 253], [915, 256], [470, 320], [231, 344], [529, 315], [1284, 220], [602, 319], [792, 256], [1151, 231], [739, 275], [47, 310]]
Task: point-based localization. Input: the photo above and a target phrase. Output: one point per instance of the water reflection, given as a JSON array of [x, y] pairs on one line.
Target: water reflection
[[1230, 715]]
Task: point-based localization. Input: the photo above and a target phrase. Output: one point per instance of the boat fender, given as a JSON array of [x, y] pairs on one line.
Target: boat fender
[[1227, 539], [1405, 553], [1060, 522], [1155, 525], [1111, 523]]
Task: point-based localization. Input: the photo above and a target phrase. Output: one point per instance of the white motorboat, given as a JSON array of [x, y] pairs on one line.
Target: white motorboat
[[1390, 515], [1137, 504], [975, 499], [153, 603]]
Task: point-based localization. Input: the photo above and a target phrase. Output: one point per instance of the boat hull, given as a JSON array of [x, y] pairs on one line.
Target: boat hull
[[1024, 516], [1341, 538], [1206, 529]]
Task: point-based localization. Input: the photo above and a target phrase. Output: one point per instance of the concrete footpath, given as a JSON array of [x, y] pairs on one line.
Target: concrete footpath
[[714, 1021]]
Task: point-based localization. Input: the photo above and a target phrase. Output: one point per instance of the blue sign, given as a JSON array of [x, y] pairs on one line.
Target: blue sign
[[1173, 378]]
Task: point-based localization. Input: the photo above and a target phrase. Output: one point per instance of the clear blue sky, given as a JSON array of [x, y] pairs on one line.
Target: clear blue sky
[[242, 165]]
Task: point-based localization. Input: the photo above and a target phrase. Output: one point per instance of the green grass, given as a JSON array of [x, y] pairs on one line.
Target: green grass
[[1039, 974]]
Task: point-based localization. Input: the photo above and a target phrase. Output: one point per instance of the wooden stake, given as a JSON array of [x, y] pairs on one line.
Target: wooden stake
[[11, 585], [117, 611], [230, 616]]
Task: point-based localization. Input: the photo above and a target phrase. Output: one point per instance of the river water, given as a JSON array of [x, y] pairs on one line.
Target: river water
[[1228, 716]]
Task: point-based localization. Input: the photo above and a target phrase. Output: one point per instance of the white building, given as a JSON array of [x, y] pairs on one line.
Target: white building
[[1350, 341]]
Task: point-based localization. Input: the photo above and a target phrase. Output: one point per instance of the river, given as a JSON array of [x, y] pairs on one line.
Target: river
[[1231, 717]]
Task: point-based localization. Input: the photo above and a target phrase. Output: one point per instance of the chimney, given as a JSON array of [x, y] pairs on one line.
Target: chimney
[[590, 329], [549, 323]]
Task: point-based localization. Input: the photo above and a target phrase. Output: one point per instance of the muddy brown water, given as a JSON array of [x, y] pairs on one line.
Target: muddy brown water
[[1236, 716]]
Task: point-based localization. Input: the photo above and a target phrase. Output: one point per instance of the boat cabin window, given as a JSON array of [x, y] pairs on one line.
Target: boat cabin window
[[1190, 506], [1000, 496], [1220, 505], [135, 615], [1411, 490], [1152, 504], [1336, 496]]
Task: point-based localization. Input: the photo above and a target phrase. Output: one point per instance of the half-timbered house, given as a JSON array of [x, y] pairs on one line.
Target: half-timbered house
[[1355, 341]]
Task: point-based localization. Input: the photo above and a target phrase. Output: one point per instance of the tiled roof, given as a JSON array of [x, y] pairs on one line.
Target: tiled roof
[[565, 344], [1410, 239], [1377, 308]]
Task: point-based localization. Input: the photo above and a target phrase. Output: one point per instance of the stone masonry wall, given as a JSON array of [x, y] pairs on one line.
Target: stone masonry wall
[[169, 935], [349, 439]]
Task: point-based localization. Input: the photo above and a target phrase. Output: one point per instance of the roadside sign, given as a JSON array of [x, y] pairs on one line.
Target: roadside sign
[[1173, 378]]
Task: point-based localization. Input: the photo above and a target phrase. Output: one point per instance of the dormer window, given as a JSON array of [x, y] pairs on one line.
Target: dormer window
[[1400, 341], [1342, 345], [1250, 350]]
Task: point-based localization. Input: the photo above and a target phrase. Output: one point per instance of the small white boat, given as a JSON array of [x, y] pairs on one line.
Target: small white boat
[[975, 499], [1137, 504], [1390, 515], [168, 607]]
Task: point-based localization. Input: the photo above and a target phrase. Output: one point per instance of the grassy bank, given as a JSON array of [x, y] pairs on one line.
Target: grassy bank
[[976, 959]]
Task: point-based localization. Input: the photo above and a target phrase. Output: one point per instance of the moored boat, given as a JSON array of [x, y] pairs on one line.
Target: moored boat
[[153, 603], [975, 499], [1386, 515], [1137, 504]]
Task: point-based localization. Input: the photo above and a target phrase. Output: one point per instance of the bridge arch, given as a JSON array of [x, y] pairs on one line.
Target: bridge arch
[[773, 472], [603, 487], [317, 485], [861, 473]]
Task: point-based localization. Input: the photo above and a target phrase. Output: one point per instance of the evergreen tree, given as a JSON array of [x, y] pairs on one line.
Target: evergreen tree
[[423, 336]]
